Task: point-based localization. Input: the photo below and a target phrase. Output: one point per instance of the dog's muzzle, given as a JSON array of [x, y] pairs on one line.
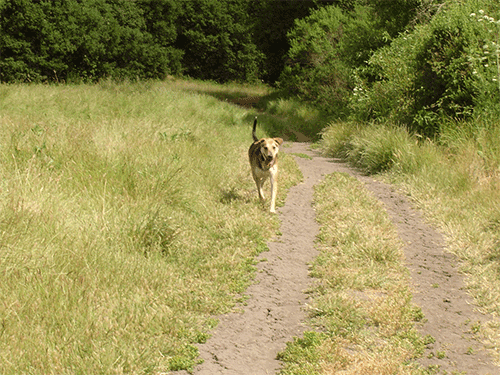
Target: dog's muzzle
[[270, 162]]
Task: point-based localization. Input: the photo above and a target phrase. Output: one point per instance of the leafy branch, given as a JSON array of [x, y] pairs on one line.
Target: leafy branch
[[490, 47]]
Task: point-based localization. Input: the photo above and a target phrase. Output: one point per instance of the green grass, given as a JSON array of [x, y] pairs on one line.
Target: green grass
[[455, 180], [128, 219], [360, 302]]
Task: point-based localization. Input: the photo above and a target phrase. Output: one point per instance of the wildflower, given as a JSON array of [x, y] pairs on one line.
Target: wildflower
[[481, 11], [472, 15]]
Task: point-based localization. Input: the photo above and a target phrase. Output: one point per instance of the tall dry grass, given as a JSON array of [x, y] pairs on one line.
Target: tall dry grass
[[127, 221], [455, 180]]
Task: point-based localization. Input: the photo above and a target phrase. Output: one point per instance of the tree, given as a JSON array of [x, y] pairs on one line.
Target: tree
[[161, 18], [315, 70], [217, 40], [73, 39]]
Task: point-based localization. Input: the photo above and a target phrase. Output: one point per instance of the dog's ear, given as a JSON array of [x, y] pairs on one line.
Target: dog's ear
[[279, 141]]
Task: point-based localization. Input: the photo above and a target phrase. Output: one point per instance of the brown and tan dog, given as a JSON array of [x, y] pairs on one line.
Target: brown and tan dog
[[263, 155]]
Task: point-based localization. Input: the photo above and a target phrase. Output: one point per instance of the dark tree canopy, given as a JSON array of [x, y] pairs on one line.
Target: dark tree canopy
[[73, 40]]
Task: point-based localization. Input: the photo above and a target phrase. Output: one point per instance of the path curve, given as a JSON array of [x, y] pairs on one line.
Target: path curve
[[247, 342]]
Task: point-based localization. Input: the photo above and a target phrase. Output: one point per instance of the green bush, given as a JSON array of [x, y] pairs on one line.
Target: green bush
[[389, 96], [331, 47], [314, 70], [484, 56], [447, 68], [442, 75]]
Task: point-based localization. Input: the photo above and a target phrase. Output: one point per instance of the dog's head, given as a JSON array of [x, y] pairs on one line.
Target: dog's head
[[269, 148]]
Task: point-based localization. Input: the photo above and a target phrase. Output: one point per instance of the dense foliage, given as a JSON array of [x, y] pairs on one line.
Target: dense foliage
[[216, 39], [314, 69], [411, 62], [330, 49], [444, 68], [72, 40]]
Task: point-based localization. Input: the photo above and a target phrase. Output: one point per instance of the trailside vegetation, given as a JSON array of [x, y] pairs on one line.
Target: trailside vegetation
[[414, 63], [53, 41], [122, 233]]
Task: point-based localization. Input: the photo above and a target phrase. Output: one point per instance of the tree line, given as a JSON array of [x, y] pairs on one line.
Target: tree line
[[86, 40]]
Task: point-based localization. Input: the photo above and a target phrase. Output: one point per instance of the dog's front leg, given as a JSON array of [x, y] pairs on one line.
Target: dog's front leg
[[259, 182], [274, 189]]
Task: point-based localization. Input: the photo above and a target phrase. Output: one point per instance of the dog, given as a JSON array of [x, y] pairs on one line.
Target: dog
[[263, 155]]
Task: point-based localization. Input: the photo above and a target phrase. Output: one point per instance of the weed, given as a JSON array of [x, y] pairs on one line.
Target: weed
[[428, 340], [303, 156], [440, 354], [476, 327]]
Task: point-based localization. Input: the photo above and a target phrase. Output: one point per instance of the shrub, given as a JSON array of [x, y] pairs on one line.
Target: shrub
[[330, 49], [442, 75], [389, 97], [484, 57], [314, 70], [444, 69]]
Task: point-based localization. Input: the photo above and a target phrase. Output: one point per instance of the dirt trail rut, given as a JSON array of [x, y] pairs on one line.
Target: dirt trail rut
[[247, 342]]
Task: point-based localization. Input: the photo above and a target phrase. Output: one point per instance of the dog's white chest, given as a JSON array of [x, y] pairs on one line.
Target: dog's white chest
[[265, 173]]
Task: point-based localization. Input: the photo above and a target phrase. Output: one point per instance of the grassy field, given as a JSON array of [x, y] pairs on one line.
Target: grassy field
[[128, 219], [454, 179]]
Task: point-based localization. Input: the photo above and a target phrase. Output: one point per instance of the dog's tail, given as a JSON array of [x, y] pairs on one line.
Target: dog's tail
[[254, 128]]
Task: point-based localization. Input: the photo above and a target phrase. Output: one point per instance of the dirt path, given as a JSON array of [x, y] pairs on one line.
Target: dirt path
[[246, 343]]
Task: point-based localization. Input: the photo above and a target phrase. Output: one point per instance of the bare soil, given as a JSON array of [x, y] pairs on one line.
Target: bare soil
[[247, 341]]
